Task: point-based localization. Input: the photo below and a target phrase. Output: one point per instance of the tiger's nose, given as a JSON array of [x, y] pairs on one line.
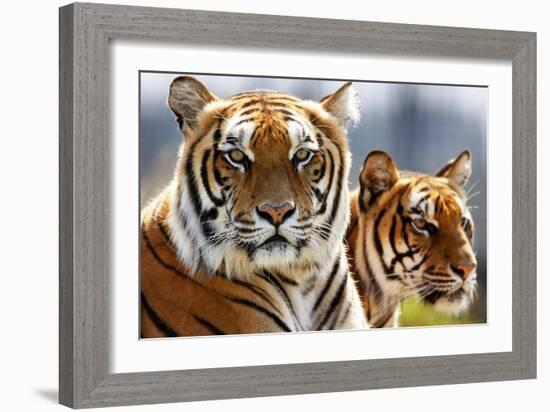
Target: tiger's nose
[[465, 268], [276, 213]]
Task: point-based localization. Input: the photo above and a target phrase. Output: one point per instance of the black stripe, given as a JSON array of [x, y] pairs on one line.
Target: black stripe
[[422, 199], [321, 174], [258, 291], [441, 281], [166, 265], [424, 259], [239, 219], [374, 195], [182, 220], [250, 103], [372, 288], [268, 277], [362, 206], [310, 284], [303, 218], [275, 98], [437, 203], [286, 279], [247, 230], [252, 138], [329, 185], [328, 284], [368, 292], [334, 302], [184, 223], [207, 228], [353, 223], [243, 121], [392, 235], [378, 242], [346, 314], [217, 134], [344, 317], [155, 254], [208, 325], [400, 256], [155, 318], [302, 227], [242, 94], [381, 322], [205, 181], [369, 274], [319, 139], [191, 181], [221, 181], [317, 193], [165, 234], [249, 111], [282, 108], [287, 113], [336, 201], [404, 222], [274, 103], [261, 309], [372, 282], [179, 119], [232, 139]]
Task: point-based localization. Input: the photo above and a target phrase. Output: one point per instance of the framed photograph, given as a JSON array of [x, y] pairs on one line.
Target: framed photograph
[[316, 191]]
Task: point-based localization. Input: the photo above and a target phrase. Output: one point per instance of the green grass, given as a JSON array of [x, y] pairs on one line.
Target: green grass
[[417, 313]]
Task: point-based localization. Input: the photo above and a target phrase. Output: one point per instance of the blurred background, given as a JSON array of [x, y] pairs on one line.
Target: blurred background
[[421, 126]]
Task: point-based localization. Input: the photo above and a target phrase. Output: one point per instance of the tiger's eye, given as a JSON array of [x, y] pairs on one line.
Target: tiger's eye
[[420, 223], [236, 155], [302, 154]]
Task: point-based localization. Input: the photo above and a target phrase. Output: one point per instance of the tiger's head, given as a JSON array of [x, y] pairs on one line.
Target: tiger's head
[[261, 178], [416, 232]]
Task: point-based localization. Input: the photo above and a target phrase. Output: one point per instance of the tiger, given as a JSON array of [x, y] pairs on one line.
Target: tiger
[[412, 233], [248, 236]]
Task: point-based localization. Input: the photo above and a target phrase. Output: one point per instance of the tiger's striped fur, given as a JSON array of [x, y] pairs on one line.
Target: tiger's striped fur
[[411, 234], [248, 236]]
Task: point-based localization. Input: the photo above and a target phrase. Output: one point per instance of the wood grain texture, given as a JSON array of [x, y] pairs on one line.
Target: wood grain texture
[[66, 229], [524, 207], [85, 31]]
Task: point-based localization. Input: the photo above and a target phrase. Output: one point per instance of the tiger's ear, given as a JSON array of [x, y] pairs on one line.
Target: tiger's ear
[[378, 175], [343, 104], [458, 170], [187, 98]]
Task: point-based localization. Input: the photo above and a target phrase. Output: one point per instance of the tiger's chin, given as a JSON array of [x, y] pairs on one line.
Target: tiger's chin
[[284, 257], [238, 262], [453, 303], [275, 254]]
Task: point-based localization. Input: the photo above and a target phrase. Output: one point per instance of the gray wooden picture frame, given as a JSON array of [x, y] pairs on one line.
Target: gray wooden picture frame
[[85, 32]]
